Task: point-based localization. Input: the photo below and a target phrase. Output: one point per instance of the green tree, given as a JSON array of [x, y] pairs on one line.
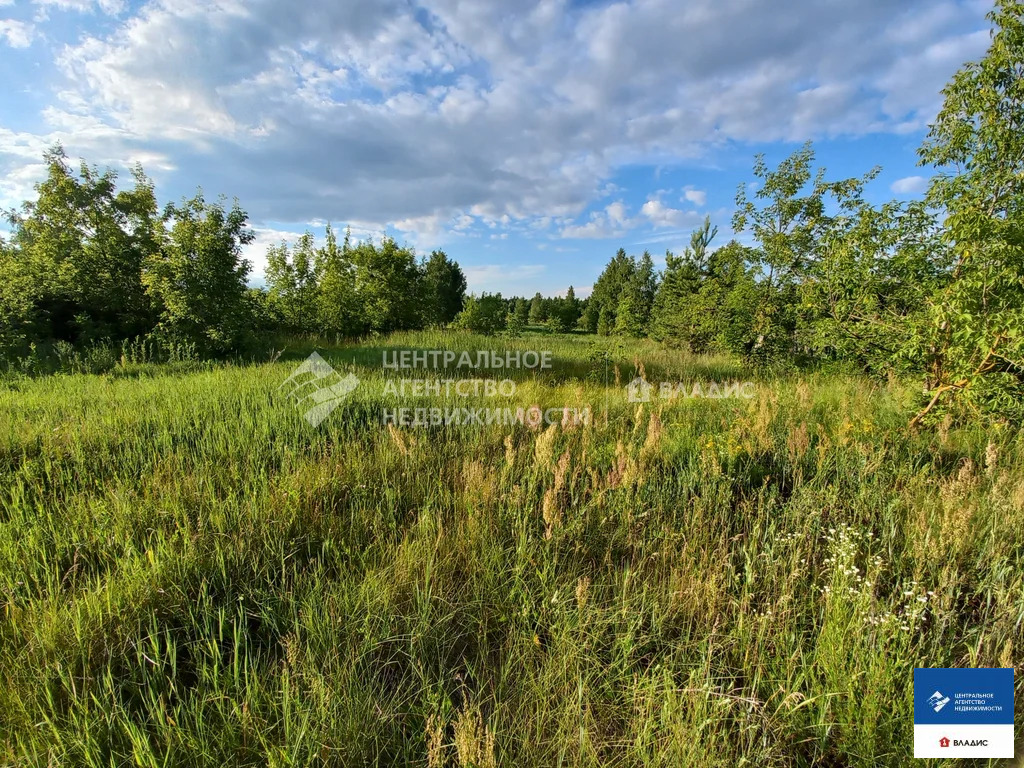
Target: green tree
[[515, 325], [607, 293], [538, 309], [628, 315], [18, 303], [338, 305], [867, 297], [556, 322], [198, 279], [389, 285], [974, 337], [483, 314], [633, 314], [293, 284], [722, 311], [673, 319], [81, 244], [571, 311], [563, 312], [521, 310], [445, 289], [789, 220]]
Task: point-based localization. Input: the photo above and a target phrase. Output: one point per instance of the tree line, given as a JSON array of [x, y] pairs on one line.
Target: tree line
[[931, 287], [87, 263]]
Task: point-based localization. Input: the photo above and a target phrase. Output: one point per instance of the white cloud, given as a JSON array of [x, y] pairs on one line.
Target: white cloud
[[380, 112], [616, 213], [597, 228], [661, 215], [910, 185], [256, 251], [613, 221], [696, 196], [18, 34], [912, 83], [112, 7]]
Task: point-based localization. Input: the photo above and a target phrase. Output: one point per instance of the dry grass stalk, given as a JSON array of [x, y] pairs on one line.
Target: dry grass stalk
[[474, 742]]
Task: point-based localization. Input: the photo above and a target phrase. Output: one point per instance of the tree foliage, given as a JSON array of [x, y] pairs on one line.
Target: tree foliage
[[74, 265], [198, 278], [444, 289], [974, 336], [485, 314]]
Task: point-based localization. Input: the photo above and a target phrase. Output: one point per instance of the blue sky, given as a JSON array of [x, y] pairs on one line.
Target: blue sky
[[530, 140]]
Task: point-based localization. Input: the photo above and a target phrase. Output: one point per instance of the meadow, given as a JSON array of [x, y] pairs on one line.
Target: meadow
[[192, 574]]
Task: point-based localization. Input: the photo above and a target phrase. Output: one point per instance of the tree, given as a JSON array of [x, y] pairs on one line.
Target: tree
[[445, 289], [338, 305], [198, 278], [633, 314], [867, 296], [974, 336], [591, 316], [607, 293], [514, 324], [18, 301], [389, 284], [571, 310], [722, 311], [293, 282], [483, 314], [538, 309], [788, 224], [563, 312], [672, 316], [79, 249], [521, 309]]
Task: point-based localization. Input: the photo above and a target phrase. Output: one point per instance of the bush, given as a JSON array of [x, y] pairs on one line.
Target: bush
[[485, 314]]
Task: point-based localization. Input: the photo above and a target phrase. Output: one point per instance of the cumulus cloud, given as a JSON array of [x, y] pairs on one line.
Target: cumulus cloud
[[696, 196], [256, 251], [910, 185], [596, 228], [661, 215], [415, 115], [613, 221], [18, 34]]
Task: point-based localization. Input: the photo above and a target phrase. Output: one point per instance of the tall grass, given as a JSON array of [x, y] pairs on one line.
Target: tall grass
[[192, 575]]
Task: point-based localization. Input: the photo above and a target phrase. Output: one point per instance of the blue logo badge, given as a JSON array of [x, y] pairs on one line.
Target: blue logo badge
[[963, 712]]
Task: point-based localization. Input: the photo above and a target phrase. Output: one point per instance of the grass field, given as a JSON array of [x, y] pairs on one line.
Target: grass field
[[193, 575]]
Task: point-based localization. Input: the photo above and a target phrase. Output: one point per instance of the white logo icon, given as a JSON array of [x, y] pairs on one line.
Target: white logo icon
[[638, 390], [938, 701], [328, 388]]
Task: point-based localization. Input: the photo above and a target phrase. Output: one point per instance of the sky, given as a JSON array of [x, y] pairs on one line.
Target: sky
[[529, 140]]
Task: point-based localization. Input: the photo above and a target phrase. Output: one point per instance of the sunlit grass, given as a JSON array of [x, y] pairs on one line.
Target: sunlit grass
[[192, 575]]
